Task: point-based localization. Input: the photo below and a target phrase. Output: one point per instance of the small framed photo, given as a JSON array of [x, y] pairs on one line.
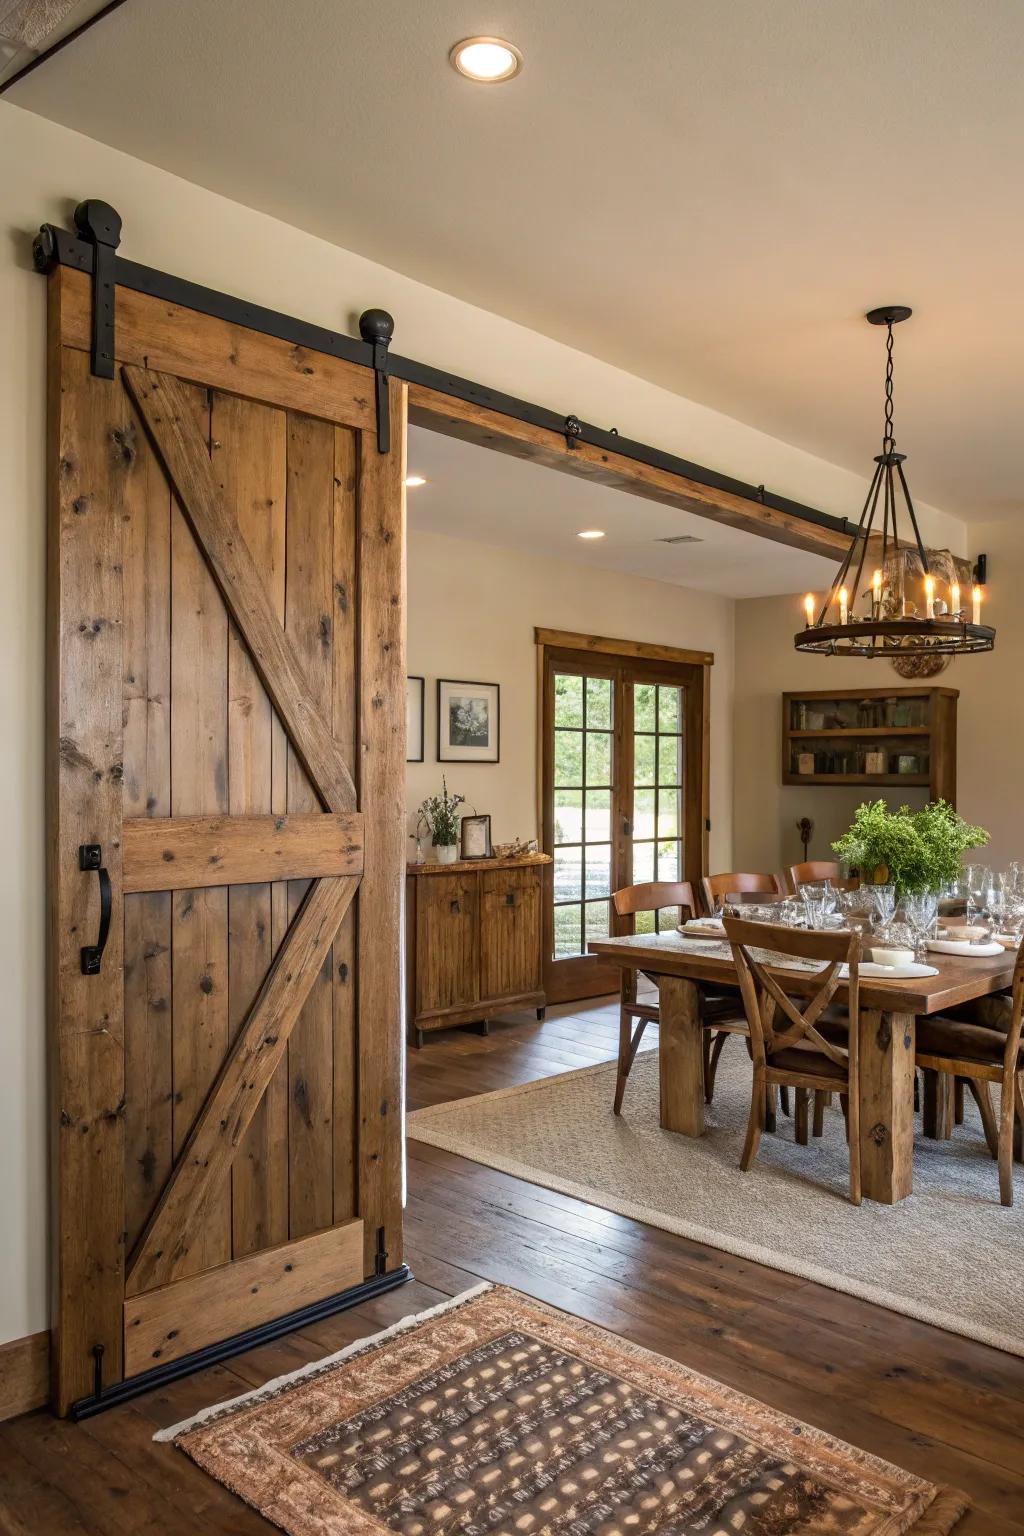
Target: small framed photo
[[468, 722], [414, 689], [476, 838]]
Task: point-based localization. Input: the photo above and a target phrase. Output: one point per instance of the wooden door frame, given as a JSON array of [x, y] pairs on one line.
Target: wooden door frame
[[157, 344], [599, 655]]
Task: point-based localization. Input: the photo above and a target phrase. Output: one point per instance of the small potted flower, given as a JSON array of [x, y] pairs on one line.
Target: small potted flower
[[439, 814]]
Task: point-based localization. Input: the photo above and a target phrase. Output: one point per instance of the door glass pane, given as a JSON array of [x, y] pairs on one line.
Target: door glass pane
[[644, 713], [569, 757], [670, 703], [598, 820], [599, 703], [669, 760], [643, 759], [643, 863], [597, 919], [669, 861], [568, 700], [643, 813], [668, 812], [568, 816], [568, 932], [568, 874], [598, 869], [599, 757]]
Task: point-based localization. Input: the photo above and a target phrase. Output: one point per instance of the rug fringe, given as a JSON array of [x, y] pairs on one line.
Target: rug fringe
[[946, 1509], [280, 1383]]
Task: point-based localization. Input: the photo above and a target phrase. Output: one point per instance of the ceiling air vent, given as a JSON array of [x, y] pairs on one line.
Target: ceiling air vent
[[680, 538]]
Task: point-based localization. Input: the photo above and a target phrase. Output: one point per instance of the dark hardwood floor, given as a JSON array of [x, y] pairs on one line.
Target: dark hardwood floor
[[951, 1410]]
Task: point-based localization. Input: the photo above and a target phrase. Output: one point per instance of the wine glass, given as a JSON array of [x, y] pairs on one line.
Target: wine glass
[[979, 881], [857, 907], [885, 905], [921, 908], [815, 908]]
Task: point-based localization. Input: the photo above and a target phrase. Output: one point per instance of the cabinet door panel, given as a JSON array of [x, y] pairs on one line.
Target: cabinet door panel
[[510, 933], [447, 942]]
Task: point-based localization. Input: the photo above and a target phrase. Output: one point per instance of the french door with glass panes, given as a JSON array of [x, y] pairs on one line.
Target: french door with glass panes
[[623, 786]]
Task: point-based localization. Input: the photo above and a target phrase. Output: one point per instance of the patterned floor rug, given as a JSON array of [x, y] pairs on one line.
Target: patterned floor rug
[[495, 1415], [948, 1255]]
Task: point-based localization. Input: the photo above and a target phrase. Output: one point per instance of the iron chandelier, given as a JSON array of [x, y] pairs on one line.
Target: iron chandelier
[[888, 624]]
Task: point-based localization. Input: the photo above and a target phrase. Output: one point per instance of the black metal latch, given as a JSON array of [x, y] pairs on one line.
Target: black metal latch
[[101, 225], [377, 327], [90, 857]]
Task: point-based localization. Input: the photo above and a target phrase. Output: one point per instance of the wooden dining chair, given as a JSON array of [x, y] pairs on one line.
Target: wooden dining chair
[[721, 1011], [821, 869], [981, 1043], [720, 887], [788, 1048]]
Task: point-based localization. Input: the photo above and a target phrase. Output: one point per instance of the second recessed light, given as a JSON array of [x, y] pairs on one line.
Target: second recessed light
[[591, 533], [487, 60]]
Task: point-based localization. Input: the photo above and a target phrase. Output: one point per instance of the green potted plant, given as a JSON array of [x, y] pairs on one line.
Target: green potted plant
[[912, 850], [439, 814]]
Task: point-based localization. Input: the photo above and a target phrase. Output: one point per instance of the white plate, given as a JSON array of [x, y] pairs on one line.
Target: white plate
[[702, 928], [892, 972], [962, 947]]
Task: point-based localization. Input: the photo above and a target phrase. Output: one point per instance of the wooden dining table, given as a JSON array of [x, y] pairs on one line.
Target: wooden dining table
[[889, 1011]]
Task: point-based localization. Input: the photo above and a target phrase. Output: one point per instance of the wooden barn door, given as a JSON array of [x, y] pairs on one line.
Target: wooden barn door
[[227, 630]]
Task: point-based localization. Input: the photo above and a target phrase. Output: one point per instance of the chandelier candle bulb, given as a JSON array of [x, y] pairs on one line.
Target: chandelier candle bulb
[[929, 597], [809, 609], [876, 592], [954, 599], [844, 605], [976, 600]]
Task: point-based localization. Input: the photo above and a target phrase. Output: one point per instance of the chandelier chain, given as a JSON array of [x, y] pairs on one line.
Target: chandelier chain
[[888, 440]]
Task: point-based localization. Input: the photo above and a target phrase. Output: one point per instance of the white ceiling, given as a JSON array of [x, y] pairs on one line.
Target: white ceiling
[[477, 493], [708, 194]]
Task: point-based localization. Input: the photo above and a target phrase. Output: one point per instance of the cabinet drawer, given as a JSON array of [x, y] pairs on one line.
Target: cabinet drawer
[[447, 942], [510, 933]]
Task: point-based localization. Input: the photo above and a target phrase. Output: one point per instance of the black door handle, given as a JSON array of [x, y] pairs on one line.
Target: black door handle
[[90, 856], [454, 908], [510, 898]]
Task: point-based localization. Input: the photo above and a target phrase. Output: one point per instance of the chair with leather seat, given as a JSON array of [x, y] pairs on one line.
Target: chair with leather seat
[[788, 1047], [981, 1042], [721, 1011]]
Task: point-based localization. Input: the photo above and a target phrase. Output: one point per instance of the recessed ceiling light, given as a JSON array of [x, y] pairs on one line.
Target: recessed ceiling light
[[488, 60], [591, 533], [412, 480]]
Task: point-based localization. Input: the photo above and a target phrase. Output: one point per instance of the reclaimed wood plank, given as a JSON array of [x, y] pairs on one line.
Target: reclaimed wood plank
[[382, 791], [162, 404], [165, 1250], [183, 852]]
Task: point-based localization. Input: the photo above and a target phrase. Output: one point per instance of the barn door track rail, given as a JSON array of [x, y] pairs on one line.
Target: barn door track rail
[[93, 250]]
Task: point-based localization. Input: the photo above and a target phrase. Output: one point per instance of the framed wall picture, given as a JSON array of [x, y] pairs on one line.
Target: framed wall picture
[[468, 722], [414, 691], [476, 837]]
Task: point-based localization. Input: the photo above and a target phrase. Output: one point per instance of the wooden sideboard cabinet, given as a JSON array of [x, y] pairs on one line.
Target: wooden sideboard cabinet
[[473, 941]]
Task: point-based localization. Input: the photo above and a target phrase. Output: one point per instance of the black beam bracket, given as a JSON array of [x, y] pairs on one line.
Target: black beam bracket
[[100, 225], [377, 327], [981, 570]]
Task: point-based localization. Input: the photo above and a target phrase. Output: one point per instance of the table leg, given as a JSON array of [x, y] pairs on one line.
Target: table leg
[[938, 1110], [886, 1105], [680, 1056]]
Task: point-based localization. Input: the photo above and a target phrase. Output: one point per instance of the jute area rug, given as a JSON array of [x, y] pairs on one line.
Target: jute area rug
[[495, 1415], [948, 1255]]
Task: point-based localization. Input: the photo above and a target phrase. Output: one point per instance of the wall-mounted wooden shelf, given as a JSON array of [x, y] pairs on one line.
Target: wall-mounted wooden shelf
[[834, 730]]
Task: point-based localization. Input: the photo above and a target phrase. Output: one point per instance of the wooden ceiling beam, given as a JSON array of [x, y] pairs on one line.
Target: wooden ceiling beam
[[508, 434]]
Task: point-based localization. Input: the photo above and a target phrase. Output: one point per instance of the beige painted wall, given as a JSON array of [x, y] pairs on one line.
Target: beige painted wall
[[472, 613], [44, 171], [990, 722]]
